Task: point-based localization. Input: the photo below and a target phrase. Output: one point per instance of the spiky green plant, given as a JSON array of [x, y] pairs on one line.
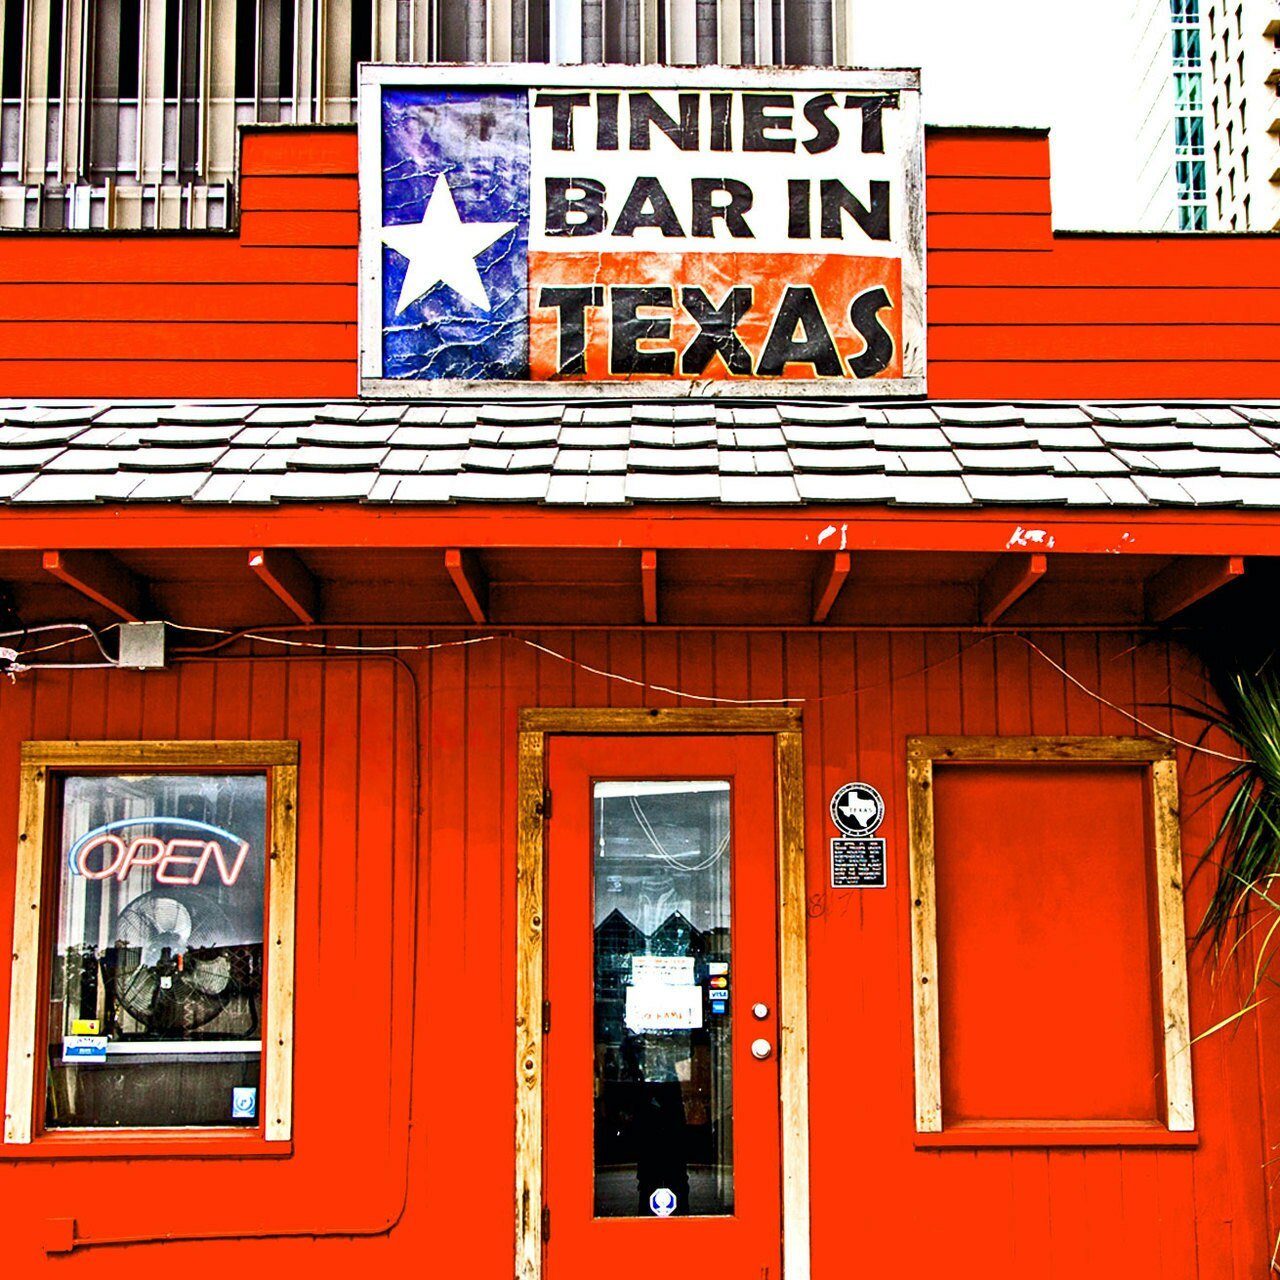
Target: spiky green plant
[[1246, 844]]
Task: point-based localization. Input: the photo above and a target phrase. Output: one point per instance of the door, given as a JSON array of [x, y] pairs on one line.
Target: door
[[661, 1121]]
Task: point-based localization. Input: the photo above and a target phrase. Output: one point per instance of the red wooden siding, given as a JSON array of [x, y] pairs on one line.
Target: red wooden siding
[[1014, 311], [380, 943]]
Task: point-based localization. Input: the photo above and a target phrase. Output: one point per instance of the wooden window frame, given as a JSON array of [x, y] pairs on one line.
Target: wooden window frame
[[1161, 765], [793, 1024], [40, 762]]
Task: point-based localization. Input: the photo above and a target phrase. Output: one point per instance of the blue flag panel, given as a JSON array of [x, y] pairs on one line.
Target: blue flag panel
[[455, 200]]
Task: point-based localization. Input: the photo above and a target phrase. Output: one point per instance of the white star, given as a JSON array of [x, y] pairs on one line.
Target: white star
[[442, 249]]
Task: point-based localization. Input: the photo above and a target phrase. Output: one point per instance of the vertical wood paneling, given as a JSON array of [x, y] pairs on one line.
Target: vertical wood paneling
[[879, 1207]]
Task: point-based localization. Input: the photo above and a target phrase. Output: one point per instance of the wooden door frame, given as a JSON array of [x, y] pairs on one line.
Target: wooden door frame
[[535, 724]]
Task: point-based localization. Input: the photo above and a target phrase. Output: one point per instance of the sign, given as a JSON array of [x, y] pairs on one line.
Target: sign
[[663, 1202], [667, 970], [110, 851], [244, 1102], [82, 1049], [683, 231], [857, 809], [857, 863], [654, 1006]]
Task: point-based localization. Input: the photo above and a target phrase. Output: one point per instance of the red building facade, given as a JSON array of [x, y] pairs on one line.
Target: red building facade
[[1001, 663]]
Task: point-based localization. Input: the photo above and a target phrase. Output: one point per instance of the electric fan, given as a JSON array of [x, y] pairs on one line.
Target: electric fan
[[171, 969]]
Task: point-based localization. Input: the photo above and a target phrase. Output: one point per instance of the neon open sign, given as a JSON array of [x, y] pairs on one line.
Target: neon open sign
[[183, 860]]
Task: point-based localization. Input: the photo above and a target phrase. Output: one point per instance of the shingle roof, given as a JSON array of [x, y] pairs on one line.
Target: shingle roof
[[907, 454]]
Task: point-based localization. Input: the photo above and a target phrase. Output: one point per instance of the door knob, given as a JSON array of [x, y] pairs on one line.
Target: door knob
[[761, 1049], [760, 1010]]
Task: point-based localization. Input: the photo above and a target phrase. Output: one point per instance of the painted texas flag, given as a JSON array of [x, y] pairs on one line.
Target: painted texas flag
[[607, 235], [455, 235]]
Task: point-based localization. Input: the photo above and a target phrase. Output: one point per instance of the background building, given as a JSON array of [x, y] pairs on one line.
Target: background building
[[123, 113], [1169, 96], [1242, 59], [1208, 72]]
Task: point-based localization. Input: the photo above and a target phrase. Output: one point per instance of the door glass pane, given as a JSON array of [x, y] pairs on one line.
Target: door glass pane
[[663, 977]]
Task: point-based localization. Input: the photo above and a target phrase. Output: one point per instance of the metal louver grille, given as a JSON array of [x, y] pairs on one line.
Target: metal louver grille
[[123, 113]]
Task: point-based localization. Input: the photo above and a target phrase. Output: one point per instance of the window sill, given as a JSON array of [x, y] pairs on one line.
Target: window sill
[[1030, 1133], [136, 1144]]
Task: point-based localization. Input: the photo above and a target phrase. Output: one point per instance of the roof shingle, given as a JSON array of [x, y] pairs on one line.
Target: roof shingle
[[906, 453]]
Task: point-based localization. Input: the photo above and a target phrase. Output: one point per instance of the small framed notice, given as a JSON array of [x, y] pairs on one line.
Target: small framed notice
[[857, 862]]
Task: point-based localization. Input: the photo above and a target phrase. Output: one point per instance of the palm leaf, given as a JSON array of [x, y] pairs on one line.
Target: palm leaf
[[1245, 846]]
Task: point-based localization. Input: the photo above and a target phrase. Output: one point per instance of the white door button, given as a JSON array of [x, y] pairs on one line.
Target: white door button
[[761, 1049], [760, 1011]]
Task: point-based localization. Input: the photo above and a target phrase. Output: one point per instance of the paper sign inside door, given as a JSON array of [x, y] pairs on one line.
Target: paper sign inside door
[[675, 971], [655, 1006]]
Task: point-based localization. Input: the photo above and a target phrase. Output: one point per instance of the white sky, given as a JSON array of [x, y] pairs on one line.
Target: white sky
[[1027, 62]]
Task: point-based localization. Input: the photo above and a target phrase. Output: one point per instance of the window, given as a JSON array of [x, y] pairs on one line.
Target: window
[[112, 122], [1049, 950], [12, 28], [1188, 135], [265, 31], [1186, 90], [143, 981], [1190, 176], [1186, 47], [1195, 217], [11, 69]]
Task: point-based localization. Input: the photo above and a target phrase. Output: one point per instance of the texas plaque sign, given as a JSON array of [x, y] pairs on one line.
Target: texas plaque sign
[[714, 231]]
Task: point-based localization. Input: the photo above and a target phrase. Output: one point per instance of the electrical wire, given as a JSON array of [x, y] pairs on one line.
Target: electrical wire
[[404, 1102], [1128, 715], [323, 647], [673, 859], [87, 633], [656, 688]]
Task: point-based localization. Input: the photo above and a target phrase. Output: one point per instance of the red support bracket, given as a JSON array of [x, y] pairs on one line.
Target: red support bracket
[[289, 580], [1179, 585], [829, 582], [649, 584], [469, 581], [102, 579], [1009, 579]]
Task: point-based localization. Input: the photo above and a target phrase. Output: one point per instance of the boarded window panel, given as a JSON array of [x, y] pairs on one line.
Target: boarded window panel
[[1047, 983]]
